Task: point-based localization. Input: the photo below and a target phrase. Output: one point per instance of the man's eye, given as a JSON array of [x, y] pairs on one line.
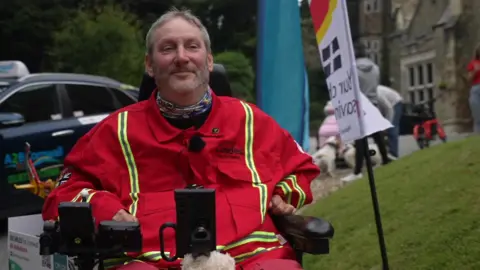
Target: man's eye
[[166, 48]]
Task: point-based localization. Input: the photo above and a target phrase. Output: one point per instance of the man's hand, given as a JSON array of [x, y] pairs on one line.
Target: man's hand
[[123, 215], [279, 207]]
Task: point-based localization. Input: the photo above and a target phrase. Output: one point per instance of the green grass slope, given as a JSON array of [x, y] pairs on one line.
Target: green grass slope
[[430, 206]]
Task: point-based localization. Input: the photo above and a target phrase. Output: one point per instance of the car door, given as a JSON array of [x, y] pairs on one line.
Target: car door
[[91, 103], [44, 129]]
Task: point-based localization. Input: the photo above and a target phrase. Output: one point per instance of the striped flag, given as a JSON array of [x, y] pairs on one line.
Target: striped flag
[[282, 83]]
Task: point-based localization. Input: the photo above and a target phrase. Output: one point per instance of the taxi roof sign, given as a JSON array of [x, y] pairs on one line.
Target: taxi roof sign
[[13, 69]]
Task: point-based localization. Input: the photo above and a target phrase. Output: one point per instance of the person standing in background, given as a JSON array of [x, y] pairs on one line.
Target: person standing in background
[[369, 79], [473, 69], [395, 101]]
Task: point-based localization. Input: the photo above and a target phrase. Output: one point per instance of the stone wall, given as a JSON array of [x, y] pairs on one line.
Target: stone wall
[[467, 36]]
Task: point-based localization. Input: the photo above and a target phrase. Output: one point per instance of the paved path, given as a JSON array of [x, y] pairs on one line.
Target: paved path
[[407, 146]]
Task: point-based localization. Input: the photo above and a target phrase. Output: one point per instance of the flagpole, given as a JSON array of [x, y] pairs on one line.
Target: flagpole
[[330, 19], [376, 207], [368, 159]]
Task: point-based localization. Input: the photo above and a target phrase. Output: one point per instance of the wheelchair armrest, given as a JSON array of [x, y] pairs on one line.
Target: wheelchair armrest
[[306, 234]]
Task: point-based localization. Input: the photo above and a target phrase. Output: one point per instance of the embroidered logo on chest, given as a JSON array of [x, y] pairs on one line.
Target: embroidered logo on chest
[[229, 150]]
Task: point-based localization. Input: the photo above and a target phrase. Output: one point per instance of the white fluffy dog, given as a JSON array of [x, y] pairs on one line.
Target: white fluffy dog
[[348, 155], [325, 157], [216, 260]]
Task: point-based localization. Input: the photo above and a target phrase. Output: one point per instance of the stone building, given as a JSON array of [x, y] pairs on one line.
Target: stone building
[[371, 28], [429, 48]]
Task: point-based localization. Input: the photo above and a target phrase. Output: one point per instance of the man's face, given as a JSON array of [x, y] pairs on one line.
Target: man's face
[[179, 61]]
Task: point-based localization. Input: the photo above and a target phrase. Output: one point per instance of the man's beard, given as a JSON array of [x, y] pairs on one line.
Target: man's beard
[[199, 80]]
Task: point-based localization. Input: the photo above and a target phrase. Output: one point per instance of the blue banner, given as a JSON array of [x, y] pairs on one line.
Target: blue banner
[[282, 82]]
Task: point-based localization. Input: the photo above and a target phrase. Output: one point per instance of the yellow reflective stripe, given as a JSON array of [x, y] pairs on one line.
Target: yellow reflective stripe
[[79, 195], [130, 160], [264, 237], [151, 256], [301, 194], [249, 159], [287, 191], [110, 263], [154, 256], [90, 196], [244, 256]]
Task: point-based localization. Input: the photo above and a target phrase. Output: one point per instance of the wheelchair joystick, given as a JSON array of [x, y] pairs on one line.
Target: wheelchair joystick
[[76, 235], [195, 230], [84, 195]]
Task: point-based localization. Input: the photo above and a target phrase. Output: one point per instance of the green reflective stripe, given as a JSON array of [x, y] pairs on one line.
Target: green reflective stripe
[[249, 159], [244, 256], [110, 263], [130, 160], [80, 194], [90, 196], [286, 190], [302, 197], [264, 237], [152, 256]]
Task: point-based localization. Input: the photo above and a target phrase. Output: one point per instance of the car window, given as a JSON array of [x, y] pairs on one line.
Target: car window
[[90, 99], [36, 103], [123, 98]]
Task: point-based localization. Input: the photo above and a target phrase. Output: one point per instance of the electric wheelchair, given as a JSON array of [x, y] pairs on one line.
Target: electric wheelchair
[[77, 238]]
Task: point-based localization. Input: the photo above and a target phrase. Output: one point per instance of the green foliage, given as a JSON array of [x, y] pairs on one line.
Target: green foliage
[[429, 203], [26, 28], [104, 42], [240, 74]]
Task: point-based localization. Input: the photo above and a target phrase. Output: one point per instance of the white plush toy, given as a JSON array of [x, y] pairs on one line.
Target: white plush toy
[[216, 260]]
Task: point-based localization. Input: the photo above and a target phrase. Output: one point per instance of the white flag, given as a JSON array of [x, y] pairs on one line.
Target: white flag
[[330, 19]]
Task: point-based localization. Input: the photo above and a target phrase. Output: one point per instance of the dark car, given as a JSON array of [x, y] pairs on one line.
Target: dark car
[[50, 111]]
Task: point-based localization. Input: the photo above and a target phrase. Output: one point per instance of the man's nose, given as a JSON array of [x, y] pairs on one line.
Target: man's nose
[[182, 57]]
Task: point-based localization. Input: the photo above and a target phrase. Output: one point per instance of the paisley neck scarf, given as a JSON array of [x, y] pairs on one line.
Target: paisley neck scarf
[[173, 111]]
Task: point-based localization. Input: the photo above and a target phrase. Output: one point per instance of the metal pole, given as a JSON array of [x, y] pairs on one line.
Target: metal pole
[[376, 208]]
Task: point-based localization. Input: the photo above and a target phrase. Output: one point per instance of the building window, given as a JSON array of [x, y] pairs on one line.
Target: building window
[[372, 49], [420, 75], [429, 73], [421, 95], [420, 82], [411, 77], [371, 6]]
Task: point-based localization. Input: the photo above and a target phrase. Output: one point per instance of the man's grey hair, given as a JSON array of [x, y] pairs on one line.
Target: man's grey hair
[[170, 15]]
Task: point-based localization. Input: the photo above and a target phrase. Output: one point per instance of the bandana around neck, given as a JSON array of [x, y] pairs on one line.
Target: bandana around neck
[[171, 110]]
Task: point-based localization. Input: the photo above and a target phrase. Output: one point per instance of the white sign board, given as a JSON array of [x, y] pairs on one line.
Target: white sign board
[[24, 247], [338, 60]]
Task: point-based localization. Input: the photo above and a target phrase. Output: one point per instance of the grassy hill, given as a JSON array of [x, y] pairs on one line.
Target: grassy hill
[[430, 205]]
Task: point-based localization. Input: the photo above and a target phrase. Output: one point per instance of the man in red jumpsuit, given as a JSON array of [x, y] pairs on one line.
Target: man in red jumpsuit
[[131, 162]]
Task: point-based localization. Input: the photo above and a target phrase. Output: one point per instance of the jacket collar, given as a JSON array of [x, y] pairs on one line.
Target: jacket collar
[[164, 131]]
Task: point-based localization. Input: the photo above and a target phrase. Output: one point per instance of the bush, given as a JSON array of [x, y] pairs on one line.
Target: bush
[[106, 42], [240, 74]]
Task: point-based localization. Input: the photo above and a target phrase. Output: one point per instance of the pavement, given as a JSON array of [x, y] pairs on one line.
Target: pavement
[[407, 146]]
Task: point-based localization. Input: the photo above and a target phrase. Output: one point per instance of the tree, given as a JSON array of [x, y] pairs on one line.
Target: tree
[[240, 74], [26, 28], [105, 41]]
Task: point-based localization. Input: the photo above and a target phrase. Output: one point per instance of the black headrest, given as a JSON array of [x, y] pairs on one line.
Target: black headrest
[[218, 82]]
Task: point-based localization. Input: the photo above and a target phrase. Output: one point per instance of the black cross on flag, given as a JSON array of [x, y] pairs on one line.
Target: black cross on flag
[[331, 58]]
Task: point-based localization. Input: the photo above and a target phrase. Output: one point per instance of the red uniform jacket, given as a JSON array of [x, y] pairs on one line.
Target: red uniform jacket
[[134, 159]]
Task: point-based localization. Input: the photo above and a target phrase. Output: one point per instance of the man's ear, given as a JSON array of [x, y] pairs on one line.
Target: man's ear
[[210, 62], [148, 65]]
